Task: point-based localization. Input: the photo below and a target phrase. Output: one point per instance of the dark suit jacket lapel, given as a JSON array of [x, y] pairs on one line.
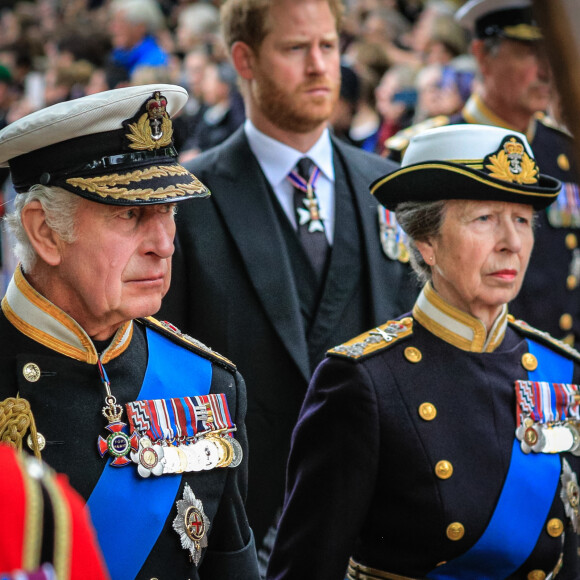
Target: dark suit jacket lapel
[[343, 275], [382, 290], [246, 206]]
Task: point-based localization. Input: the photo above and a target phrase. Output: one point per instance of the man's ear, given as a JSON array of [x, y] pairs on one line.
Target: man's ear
[[479, 52], [44, 240], [243, 59]]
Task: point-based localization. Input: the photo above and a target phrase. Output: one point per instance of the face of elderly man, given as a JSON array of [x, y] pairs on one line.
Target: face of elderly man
[[518, 78], [117, 268], [479, 259]]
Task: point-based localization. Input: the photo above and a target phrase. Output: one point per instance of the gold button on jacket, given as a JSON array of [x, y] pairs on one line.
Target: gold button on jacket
[[529, 361], [444, 469], [455, 531], [31, 372], [571, 241], [413, 354], [566, 321], [427, 411], [555, 527]]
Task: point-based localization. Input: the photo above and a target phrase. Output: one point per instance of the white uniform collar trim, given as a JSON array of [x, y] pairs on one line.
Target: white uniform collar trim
[[455, 326], [475, 111], [42, 321]]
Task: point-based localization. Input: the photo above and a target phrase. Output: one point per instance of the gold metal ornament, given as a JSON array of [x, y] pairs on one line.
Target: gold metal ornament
[[153, 129], [513, 164], [191, 524]]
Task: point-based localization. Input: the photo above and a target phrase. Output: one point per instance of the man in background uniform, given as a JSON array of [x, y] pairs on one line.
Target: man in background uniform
[[147, 423], [515, 91]]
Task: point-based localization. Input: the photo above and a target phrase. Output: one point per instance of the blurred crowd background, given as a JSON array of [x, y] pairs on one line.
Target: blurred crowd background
[[403, 61]]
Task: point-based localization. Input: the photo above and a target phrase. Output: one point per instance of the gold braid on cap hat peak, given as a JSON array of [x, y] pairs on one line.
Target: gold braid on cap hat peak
[[107, 185]]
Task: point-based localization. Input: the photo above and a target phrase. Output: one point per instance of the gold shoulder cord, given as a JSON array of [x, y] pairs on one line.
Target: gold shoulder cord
[[15, 420]]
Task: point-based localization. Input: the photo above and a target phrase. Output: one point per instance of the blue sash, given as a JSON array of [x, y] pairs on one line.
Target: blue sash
[[519, 518], [129, 512]]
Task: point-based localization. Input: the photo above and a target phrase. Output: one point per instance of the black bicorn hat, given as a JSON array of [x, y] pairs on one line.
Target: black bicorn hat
[[469, 161], [114, 147]]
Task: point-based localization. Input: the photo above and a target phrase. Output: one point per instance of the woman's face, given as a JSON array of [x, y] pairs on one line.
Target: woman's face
[[479, 259]]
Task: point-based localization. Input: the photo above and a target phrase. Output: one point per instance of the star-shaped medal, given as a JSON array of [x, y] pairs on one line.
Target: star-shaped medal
[[191, 524]]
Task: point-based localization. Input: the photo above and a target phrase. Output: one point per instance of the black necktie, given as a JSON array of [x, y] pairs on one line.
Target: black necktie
[[310, 225]]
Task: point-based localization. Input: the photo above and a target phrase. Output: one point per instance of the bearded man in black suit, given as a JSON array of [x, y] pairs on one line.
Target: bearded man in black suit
[[267, 282]]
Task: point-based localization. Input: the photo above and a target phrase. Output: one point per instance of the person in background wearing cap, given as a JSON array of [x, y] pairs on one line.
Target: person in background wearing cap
[[444, 444], [280, 266], [515, 91], [147, 423]]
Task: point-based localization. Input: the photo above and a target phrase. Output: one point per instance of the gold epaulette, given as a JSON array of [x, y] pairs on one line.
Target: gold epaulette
[[399, 141], [549, 121], [174, 334], [544, 338], [375, 340]]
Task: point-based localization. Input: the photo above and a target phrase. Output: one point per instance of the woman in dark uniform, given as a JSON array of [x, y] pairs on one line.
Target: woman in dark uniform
[[444, 444]]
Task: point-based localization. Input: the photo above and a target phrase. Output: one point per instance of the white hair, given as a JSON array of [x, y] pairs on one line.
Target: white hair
[[200, 19], [420, 221], [145, 12], [60, 208]]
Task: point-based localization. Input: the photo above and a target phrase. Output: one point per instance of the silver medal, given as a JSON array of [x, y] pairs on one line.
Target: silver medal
[[570, 494], [149, 457], [209, 454], [191, 524], [172, 462], [238, 452]]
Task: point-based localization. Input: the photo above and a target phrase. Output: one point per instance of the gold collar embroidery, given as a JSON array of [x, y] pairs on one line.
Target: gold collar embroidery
[[455, 326], [475, 111], [42, 321]]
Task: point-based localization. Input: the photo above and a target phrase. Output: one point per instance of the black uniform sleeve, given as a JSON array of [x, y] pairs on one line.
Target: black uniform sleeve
[[332, 473]]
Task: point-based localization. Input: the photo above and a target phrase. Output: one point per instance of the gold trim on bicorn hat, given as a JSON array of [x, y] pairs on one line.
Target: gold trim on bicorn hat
[[469, 161]]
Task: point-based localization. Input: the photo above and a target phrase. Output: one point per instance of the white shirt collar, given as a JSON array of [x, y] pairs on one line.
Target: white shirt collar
[[278, 159]]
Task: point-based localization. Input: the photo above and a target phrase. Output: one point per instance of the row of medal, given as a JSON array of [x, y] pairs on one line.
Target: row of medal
[[394, 240], [170, 436], [548, 417], [565, 213], [210, 451], [183, 435]]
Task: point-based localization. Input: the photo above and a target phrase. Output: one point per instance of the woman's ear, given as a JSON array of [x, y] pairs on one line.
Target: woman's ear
[[44, 240], [427, 251]]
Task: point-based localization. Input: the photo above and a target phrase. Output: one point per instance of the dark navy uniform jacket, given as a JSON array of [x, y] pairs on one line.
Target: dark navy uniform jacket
[[550, 296], [67, 400], [402, 448]]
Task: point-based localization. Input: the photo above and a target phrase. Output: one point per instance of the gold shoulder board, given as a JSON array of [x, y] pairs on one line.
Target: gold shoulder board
[[173, 333], [545, 338], [549, 121], [375, 340], [400, 140]]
